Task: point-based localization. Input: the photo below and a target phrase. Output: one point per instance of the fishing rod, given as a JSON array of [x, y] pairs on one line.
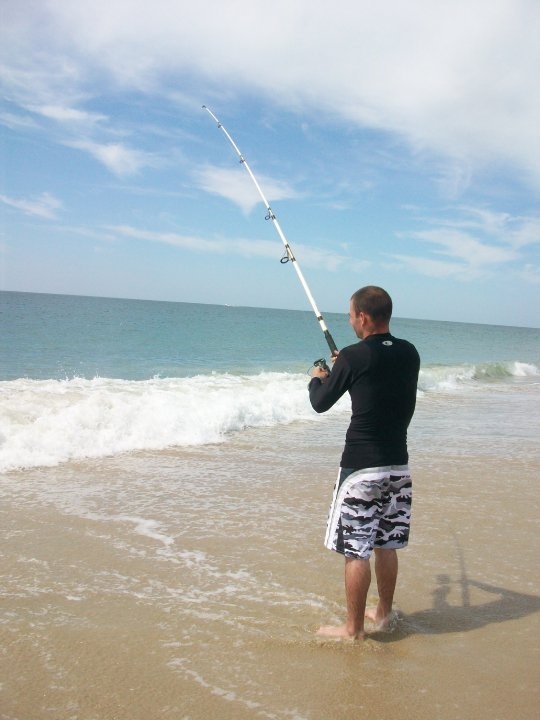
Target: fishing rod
[[289, 255]]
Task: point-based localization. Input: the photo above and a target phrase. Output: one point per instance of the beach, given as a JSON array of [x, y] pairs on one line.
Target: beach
[[163, 524], [189, 584]]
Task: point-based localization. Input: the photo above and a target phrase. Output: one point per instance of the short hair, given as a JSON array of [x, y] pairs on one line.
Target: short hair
[[374, 301]]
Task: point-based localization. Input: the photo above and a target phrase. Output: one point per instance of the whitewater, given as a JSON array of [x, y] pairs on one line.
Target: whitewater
[[93, 377], [46, 422]]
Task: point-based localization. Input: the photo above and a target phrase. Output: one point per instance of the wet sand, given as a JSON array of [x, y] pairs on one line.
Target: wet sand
[[182, 585]]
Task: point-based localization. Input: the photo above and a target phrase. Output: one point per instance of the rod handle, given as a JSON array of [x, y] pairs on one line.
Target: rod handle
[[331, 344]]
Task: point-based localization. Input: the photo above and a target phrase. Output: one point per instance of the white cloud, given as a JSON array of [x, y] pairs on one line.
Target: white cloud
[[516, 231], [190, 242], [476, 242], [45, 206], [437, 268], [527, 233], [328, 260], [512, 231], [458, 79], [15, 121], [67, 114], [308, 256], [118, 158], [29, 78], [237, 186], [465, 247]]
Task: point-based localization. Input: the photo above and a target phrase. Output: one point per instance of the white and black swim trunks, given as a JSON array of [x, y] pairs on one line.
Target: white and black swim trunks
[[370, 508]]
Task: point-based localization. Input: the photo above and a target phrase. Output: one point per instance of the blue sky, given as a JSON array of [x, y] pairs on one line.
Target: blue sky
[[397, 143]]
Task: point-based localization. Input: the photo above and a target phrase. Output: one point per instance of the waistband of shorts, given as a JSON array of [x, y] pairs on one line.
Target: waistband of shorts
[[382, 469]]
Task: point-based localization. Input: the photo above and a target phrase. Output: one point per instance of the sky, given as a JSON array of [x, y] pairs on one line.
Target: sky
[[397, 143]]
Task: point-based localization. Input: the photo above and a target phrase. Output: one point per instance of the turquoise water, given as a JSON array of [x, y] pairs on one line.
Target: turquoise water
[[62, 336], [92, 377]]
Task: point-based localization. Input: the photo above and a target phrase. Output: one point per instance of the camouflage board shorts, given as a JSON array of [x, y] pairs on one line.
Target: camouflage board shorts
[[370, 508]]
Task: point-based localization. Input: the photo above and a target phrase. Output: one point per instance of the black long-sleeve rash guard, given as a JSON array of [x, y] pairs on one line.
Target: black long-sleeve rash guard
[[381, 375]]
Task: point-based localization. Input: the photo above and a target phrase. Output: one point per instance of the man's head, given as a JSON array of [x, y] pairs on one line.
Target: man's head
[[370, 311]]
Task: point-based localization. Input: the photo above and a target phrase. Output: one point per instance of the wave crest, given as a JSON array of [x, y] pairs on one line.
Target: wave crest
[[452, 378], [45, 422]]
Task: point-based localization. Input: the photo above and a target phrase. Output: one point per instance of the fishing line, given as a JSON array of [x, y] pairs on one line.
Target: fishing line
[[289, 255]]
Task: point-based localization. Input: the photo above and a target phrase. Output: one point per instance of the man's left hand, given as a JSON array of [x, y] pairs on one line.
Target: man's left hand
[[318, 372]]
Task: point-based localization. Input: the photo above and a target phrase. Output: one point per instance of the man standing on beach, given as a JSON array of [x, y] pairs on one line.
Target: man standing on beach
[[371, 506]]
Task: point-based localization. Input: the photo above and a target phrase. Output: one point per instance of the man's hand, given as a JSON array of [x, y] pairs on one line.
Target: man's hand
[[318, 372]]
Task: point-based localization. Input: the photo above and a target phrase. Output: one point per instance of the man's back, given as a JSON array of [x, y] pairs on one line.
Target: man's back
[[381, 375]]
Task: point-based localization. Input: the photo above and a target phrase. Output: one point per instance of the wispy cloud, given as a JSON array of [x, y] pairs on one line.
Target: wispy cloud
[[514, 230], [236, 185], [45, 206], [474, 241], [465, 247], [456, 79], [69, 115], [432, 103], [16, 121], [437, 268], [309, 256], [527, 233], [118, 158]]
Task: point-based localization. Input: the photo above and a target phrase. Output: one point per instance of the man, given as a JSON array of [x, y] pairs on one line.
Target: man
[[372, 498]]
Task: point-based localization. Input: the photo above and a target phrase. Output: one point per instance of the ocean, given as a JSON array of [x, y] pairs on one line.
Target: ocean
[[86, 377], [164, 485]]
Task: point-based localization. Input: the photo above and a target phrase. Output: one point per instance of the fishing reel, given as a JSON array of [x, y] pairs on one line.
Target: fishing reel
[[321, 363]]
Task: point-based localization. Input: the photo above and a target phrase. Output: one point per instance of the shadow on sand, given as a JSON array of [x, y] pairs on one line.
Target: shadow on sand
[[445, 618]]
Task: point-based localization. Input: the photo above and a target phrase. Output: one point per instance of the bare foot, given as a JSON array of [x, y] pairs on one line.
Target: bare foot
[[381, 622], [339, 633]]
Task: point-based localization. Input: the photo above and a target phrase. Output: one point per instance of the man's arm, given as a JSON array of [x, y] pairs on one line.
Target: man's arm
[[325, 390]]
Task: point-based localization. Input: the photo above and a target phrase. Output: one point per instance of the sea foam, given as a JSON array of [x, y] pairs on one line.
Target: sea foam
[[45, 422], [466, 377]]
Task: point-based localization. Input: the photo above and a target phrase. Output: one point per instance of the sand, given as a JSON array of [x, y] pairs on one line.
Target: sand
[[189, 585]]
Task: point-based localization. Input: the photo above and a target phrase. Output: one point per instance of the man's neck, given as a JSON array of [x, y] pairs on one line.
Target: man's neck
[[381, 330]]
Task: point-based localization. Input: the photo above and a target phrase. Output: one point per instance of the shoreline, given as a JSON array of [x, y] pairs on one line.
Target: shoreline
[[181, 584]]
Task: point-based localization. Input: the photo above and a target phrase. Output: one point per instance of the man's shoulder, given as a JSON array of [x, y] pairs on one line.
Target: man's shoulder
[[354, 357], [370, 347], [406, 344], [407, 353], [355, 350]]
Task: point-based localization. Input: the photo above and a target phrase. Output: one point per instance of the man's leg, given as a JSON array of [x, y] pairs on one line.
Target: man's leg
[[386, 571], [357, 581]]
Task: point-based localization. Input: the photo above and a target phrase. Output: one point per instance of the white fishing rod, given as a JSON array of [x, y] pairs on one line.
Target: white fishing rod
[[289, 255]]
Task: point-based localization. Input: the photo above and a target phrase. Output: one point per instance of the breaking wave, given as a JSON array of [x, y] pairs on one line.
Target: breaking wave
[[46, 422]]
